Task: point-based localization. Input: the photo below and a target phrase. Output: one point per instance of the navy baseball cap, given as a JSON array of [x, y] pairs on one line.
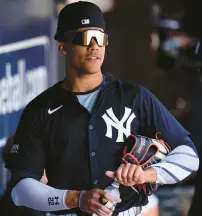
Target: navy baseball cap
[[77, 15]]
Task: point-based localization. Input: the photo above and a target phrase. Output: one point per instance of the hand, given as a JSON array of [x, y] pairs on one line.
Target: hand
[[90, 202], [128, 174]]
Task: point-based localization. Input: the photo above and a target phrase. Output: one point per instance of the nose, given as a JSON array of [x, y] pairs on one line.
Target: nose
[[93, 45]]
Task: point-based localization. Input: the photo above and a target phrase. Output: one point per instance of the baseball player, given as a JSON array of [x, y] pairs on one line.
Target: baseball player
[[76, 130]]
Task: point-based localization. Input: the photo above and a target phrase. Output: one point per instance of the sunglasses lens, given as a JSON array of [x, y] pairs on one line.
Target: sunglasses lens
[[84, 38]]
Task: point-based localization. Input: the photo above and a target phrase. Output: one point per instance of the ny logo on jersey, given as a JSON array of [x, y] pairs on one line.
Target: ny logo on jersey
[[112, 121]]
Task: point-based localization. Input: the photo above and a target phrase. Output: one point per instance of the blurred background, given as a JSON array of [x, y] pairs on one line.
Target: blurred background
[[155, 43]]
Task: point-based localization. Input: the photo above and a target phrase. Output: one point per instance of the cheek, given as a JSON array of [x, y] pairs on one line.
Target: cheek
[[78, 53]]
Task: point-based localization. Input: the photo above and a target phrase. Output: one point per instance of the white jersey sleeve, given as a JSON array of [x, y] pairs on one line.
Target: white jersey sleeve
[[179, 164]]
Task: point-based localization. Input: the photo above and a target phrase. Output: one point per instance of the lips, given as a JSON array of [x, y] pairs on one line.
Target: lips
[[93, 57]]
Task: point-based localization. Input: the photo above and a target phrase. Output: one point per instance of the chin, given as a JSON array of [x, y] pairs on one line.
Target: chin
[[92, 67], [92, 70]]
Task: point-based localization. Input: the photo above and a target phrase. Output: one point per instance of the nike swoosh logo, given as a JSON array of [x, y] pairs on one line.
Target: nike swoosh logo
[[54, 110]]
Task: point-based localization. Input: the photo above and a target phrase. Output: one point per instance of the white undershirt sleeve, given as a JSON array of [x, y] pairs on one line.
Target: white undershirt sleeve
[[36, 195]]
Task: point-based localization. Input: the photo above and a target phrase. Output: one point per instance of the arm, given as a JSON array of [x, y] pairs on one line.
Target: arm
[[36, 195], [176, 166], [27, 162], [6, 153]]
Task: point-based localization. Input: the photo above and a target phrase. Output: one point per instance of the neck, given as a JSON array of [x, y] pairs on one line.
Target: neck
[[76, 82]]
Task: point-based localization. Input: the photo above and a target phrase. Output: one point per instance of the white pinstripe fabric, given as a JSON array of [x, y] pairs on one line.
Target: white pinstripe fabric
[[179, 164]]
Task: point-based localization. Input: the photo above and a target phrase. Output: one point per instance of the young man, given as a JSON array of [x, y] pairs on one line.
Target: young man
[[76, 129]]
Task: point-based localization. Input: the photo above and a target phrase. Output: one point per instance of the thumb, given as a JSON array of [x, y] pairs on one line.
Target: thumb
[[110, 174]]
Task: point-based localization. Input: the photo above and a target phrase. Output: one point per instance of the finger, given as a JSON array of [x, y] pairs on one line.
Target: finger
[[137, 174], [99, 212], [108, 197], [108, 205], [130, 173], [109, 201], [125, 173], [96, 193], [119, 173], [94, 207], [90, 207], [105, 210], [110, 174], [102, 209], [105, 202], [99, 193]]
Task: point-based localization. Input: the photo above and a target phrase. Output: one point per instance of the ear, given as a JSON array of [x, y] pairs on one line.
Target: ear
[[62, 48]]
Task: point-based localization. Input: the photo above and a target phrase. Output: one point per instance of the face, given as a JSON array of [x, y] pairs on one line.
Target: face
[[84, 59]]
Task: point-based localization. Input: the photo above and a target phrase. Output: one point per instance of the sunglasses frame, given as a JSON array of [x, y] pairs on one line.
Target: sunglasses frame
[[71, 35]]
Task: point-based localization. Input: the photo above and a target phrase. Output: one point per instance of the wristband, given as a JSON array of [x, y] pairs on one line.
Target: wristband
[[80, 197]]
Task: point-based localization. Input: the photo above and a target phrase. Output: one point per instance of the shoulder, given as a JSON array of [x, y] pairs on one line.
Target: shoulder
[[135, 89], [120, 84], [43, 100]]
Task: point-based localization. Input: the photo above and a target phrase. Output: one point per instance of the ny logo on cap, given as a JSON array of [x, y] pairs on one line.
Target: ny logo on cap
[[85, 21]]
